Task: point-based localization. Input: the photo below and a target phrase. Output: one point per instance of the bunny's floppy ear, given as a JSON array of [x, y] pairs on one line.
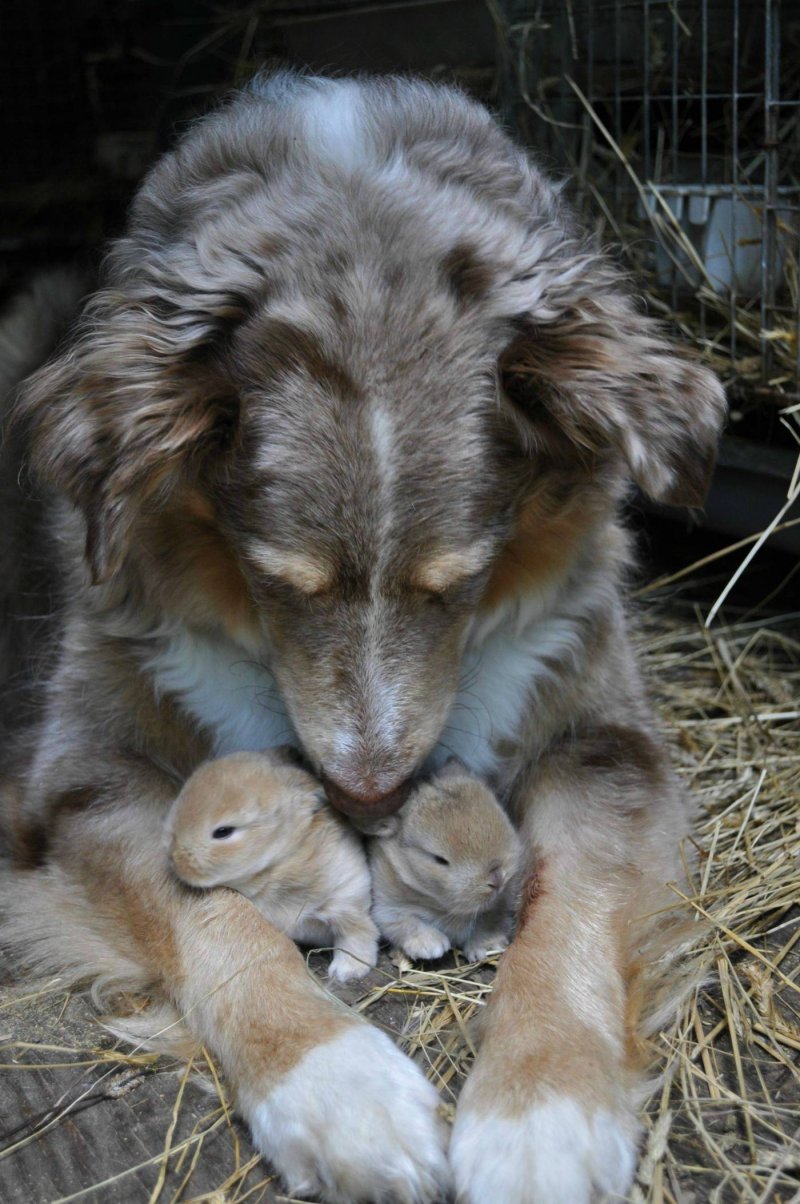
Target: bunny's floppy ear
[[387, 827], [452, 768], [380, 828], [587, 362], [126, 411]]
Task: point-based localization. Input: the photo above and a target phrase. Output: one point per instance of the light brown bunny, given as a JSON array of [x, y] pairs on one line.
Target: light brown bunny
[[444, 869], [260, 824]]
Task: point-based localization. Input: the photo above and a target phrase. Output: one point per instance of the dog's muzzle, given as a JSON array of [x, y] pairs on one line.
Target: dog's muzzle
[[366, 806]]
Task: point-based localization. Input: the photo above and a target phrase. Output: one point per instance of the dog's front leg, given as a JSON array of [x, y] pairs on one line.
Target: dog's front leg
[[338, 1109], [549, 1113]]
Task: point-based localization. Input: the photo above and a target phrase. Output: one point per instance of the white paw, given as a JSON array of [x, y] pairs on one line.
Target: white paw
[[354, 1120], [426, 944], [555, 1153], [346, 966], [477, 950]]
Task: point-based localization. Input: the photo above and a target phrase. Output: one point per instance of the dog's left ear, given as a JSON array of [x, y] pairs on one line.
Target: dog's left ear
[[605, 375], [126, 411]]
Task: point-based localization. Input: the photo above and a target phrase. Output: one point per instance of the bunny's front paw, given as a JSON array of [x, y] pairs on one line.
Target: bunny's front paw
[[347, 965], [482, 944], [423, 942]]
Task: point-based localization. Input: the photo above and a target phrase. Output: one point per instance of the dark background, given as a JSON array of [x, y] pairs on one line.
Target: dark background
[[92, 92]]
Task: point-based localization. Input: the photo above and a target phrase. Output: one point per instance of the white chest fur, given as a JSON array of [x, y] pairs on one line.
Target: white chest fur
[[225, 690], [505, 662]]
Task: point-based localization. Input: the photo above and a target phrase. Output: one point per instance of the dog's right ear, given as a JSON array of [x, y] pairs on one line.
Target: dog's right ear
[[125, 412], [589, 367], [606, 378]]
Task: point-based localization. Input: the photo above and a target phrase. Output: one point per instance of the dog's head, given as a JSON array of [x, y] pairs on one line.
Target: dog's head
[[353, 376]]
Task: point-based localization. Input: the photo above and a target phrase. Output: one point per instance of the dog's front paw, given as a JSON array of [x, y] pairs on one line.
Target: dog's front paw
[[354, 1120], [555, 1152]]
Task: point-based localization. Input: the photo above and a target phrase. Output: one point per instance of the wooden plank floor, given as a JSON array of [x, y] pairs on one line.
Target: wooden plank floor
[[75, 1127]]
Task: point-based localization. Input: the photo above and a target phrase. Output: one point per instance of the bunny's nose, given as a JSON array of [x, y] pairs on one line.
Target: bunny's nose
[[366, 804]]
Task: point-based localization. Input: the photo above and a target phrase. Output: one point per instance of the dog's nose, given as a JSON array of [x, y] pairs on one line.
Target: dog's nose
[[366, 804]]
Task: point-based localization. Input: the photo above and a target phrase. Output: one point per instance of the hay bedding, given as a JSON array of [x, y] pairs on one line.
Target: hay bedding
[[90, 1120]]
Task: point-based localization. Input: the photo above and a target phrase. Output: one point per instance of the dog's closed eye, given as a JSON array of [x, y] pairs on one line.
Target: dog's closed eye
[[302, 572], [443, 570]]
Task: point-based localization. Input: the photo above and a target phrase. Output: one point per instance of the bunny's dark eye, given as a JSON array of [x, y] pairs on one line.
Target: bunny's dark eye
[[222, 832], [439, 860]]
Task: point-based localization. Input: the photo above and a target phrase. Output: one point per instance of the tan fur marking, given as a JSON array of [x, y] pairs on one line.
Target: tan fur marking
[[441, 570], [541, 549], [531, 892], [264, 1038], [199, 507], [639, 1052], [201, 577], [27, 836], [294, 568], [559, 1050]]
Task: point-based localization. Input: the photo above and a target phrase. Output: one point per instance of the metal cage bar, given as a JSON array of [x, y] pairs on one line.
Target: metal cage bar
[[702, 99]]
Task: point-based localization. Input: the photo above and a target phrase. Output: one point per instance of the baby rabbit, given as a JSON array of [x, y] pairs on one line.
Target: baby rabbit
[[258, 823], [443, 870]]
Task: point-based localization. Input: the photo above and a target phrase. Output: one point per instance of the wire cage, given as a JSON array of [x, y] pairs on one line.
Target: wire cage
[[679, 123]]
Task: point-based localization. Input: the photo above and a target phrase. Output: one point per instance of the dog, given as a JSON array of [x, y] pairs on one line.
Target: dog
[[334, 458]]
